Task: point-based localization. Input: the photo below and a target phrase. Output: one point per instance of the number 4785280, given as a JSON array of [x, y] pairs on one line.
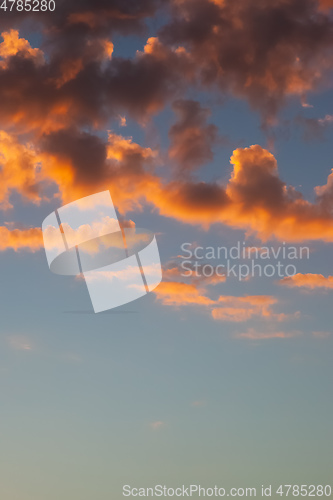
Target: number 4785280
[[28, 5]]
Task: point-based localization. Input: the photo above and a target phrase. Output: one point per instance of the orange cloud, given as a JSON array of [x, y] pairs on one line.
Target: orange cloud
[[240, 309], [81, 86], [32, 238], [19, 170], [99, 51], [225, 308], [121, 164], [308, 281], [174, 272], [216, 44], [12, 45], [255, 199], [69, 70], [16, 239], [173, 293], [326, 4], [81, 83]]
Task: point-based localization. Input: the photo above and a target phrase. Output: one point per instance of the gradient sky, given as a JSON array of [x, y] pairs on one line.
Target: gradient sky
[[210, 122]]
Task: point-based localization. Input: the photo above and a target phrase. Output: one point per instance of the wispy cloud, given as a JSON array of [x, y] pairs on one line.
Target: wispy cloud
[[198, 404], [155, 426], [20, 343], [253, 334], [308, 281], [224, 308], [322, 335]]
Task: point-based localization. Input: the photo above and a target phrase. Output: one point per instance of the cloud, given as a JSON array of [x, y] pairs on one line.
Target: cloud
[[81, 84], [194, 274], [215, 45], [262, 50], [122, 121], [16, 239], [308, 281], [253, 334], [93, 238], [32, 238], [326, 4], [192, 139], [173, 293], [19, 170], [198, 404], [31, 100], [65, 92], [155, 426], [241, 309], [20, 343], [12, 45], [225, 308], [255, 199], [81, 164], [143, 85], [57, 98], [327, 120]]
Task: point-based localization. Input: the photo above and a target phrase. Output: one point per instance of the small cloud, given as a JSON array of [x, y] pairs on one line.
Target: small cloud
[[122, 121], [195, 274], [304, 102], [308, 281], [19, 343], [253, 334], [155, 426], [198, 404], [322, 335], [325, 121], [241, 309]]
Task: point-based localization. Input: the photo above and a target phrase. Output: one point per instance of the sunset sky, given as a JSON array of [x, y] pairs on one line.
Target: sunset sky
[[211, 123]]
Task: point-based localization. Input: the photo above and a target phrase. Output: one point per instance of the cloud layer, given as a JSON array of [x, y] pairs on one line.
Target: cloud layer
[[58, 98]]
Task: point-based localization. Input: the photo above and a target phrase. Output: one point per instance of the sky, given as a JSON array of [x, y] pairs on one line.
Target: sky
[[210, 122]]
